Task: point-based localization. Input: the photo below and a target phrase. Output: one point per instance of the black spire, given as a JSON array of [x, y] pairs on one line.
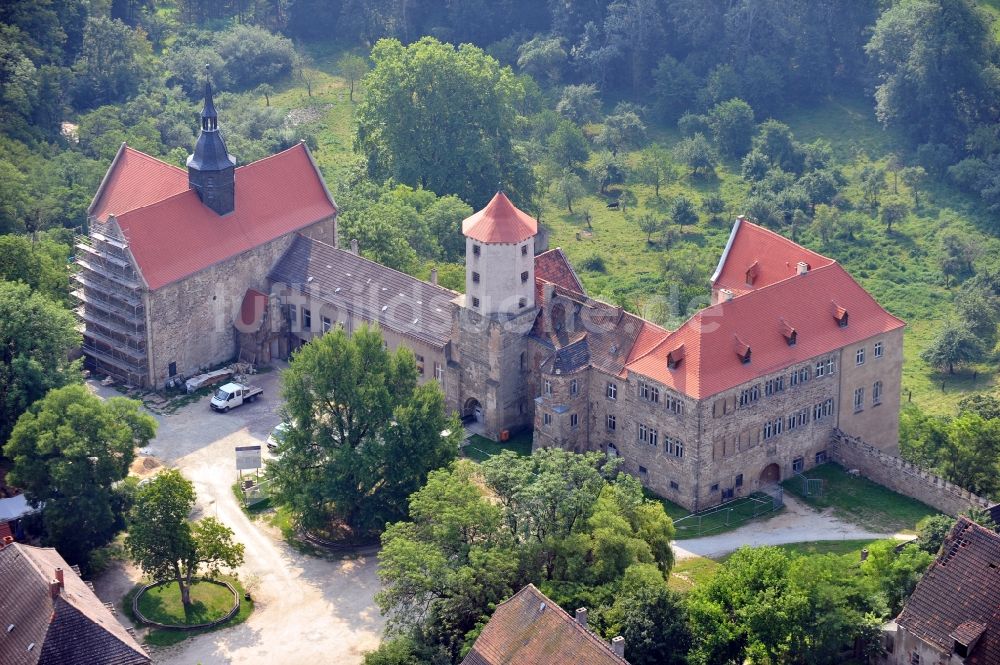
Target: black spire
[[211, 169]]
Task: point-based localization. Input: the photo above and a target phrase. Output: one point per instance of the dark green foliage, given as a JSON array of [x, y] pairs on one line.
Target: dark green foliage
[[696, 154], [339, 471], [114, 64], [732, 127], [594, 263], [931, 532], [70, 450], [567, 146], [41, 264], [682, 211], [954, 345]]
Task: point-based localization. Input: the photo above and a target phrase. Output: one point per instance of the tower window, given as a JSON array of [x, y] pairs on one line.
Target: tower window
[[475, 302], [475, 250], [522, 302], [475, 277], [524, 250], [524, 276]]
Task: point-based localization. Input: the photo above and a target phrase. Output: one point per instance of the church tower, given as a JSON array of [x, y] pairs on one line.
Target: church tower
[[500, 259], [211, 169]]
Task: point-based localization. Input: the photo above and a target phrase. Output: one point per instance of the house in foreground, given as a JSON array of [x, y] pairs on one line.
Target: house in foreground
[[953, 616], [530, 629], [49, 616]]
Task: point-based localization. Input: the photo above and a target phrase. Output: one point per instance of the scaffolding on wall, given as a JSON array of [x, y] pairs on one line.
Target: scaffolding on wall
[[110, 311]]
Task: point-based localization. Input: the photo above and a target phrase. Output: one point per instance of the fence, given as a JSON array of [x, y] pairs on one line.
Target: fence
[[812, 486], [256, 493], [730, 514]]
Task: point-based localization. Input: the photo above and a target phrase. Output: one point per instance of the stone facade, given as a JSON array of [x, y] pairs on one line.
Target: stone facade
[[873, 367], [901, 476]]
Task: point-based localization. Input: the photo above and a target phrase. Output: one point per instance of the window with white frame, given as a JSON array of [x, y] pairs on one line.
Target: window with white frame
[[420, 363], [307, 320], [859, 399], [859, 356], [829, 365], [649, 393], [798, 464], [772, 428], [773, 386], [648, 435], [547, 387], [438, 371], [877, 351], [876, 393], [675, 405], [828, 408], [612, 390], [327, 324], [612, 422], [749, 395]]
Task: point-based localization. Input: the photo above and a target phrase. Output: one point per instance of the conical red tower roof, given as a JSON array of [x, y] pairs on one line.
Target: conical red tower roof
[[500, 222]]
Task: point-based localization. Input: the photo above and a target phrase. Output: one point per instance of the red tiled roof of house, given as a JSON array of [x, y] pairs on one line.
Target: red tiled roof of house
[[500, 222], [650, 336], [5, 532], [72, 628], [959, 594], [179, 236], [716, 337], [252, 309], [552, 266], [756, 257], [135, 180], [530, 629]]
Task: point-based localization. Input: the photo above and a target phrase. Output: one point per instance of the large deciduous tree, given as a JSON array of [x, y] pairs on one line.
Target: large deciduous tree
[[116, 61], [443, 119], [954, 345], [355, 412], [36, 336], [732, 127], [166, 545], [70, 450]]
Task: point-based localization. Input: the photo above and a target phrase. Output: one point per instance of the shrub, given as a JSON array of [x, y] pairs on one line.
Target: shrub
[[594, 263]]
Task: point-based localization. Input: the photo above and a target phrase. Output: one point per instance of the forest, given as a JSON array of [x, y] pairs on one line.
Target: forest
[[635, 131]]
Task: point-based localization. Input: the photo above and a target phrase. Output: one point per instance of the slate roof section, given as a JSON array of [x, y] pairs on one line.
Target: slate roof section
[[134, 180], [530, 629], [179, 236], [960, 589], [74, 628], [553, 267], [758, 320], [500, 222], [346, 282], [768, 257]]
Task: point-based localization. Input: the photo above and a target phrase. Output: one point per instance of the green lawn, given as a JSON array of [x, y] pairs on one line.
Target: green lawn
[[820, 547], [209, 602], [861, 501], [480, 448], [726, 517], [689, 573]]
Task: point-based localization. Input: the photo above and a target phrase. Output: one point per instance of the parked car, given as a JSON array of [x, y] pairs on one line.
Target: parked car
[[233, 395], [277, 436]]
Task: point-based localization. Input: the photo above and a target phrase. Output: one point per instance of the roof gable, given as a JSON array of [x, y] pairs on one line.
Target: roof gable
[[179, 236], [552, 266], [134, 180], [959, 595], [500, 222], [530, 629], [756, 257]]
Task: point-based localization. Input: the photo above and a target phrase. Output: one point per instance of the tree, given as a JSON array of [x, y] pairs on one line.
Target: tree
[[579, 103], [954, 345], [457, 135], [649, 224], [166, 545], [653, 622], [542, 57], [623, 129], [872, 180], [732, 127], [696, 153], [775, 141], [36, 337], [674, 88], [931, 532], [608, 170], [655, 167], [70, 450], [114, 63], [826, 221], [265, 90], [714, 205], [568, 188], [340, 471], [958, 251], [913, 177], [755, 166], [682, 211], [567, 145], [893, 210], [353, 68], [40, 264]]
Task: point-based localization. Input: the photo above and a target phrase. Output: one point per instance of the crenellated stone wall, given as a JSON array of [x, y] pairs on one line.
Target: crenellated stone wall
[[901, 476]]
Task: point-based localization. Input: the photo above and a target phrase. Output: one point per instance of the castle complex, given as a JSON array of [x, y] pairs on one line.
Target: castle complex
[[182, 271]]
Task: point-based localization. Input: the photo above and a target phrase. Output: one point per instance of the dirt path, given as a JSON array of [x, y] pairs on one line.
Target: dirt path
[[797, 523], [309, 609]]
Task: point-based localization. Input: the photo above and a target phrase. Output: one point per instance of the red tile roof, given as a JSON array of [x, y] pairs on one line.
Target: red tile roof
[[759, 320], [500, 222], [762, 255], [553, 267], [530, 629], [959, 594], [178, 236], [74, 628], [135, 180]]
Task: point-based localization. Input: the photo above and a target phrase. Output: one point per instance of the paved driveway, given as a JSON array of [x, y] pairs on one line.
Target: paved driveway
[[309, 610]]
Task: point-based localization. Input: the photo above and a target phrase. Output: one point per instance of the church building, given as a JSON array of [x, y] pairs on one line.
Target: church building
[[179, 274]]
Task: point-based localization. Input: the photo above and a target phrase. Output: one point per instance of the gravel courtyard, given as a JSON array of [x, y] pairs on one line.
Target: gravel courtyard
[[309, 610]]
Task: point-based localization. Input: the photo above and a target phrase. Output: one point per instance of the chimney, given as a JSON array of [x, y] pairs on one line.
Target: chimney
[[801, 268], [54, 588], [581, 616], [434, 276], [727, 295], [618, 646], [354, 246], [59, 578]]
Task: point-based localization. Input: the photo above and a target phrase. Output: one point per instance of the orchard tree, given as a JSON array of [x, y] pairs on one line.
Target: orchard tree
[[954, 345], [568, 146], [166, 545], [352, 67], [265, 90], [568, 188], [732, 127], [580, 103], [70, 452], [355, 410], [893, 211], [914, 177], [456, 136], [682, 211], [36, 337], [696, 153], [655, 167], [649, 224]]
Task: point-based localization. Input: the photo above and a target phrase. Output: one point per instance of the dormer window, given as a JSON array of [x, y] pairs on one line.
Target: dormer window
[[840, 314], [743, 351], [675, 357], [789, 333], [751, 273]]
